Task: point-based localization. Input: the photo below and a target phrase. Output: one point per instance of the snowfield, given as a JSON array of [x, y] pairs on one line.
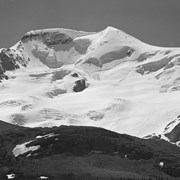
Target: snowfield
[[107, 79]]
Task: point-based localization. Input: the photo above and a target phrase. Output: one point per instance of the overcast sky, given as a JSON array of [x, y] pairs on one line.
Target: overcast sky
[[152, 21]]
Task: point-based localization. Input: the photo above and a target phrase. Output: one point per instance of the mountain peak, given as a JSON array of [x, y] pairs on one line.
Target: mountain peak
[[112, 28]]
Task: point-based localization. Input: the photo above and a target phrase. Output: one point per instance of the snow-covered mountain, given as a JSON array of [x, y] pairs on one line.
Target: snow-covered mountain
[[106, 79]]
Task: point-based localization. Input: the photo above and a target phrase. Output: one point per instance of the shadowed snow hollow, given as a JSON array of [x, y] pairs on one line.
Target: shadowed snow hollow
[[108, 79]]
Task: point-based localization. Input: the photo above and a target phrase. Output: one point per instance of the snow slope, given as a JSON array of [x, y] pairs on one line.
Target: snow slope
[[107, 79]]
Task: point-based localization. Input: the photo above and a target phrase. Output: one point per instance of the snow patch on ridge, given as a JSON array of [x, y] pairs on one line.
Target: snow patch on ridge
[[22, 148]]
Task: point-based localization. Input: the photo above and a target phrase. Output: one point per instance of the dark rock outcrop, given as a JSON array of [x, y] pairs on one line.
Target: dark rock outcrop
[[9, 61], [174, 135], [56, 38], [49, 38], [80, 85], [154, 66]]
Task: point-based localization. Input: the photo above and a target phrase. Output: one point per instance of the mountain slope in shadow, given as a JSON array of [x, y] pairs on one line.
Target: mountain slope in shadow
[[79, 152]]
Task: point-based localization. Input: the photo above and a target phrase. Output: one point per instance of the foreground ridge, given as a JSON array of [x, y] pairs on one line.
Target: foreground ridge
[[72, 152]]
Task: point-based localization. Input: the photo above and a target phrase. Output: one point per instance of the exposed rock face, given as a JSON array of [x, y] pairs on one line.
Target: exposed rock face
[[56, 38], [156, 65], [9, 60], [174, 135], [80, 85], [2, 75]]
